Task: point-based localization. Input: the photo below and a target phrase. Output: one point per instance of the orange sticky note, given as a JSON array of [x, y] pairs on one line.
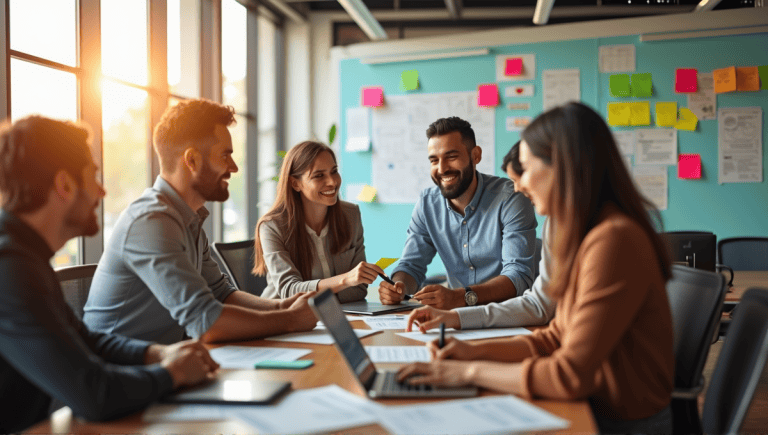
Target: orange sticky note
[[747, 79], [619, 113], [689, 166], [488, 95], [685, 80], [666, 114], [373, 97], [725, 79], [513, 66], [640, 113]]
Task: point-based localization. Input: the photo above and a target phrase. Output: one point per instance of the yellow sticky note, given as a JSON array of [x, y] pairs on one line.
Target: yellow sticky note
[[687, 120], [640, 113], [367, 194], [385, 262], [618, 113], [666, 114]]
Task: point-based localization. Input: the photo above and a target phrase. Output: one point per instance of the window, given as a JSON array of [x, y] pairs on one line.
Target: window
[[184, 48], [269, 163]]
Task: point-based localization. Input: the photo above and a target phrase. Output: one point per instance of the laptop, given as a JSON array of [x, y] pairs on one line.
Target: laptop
[[377, 384], [375, 308], [230, 391]]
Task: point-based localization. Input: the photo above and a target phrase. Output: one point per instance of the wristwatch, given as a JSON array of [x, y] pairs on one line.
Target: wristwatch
[[470, 297]]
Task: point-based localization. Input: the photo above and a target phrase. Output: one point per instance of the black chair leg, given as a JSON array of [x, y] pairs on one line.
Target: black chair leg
[[685, 417]]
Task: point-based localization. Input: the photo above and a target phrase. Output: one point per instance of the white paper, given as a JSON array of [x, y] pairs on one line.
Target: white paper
[[740, 145], [398, 354], [560, 86], [358, 129], [400, 162], [518, 123], [703, 102], [190, 412], [523, 105], [519, 91], [352, 190], [386, 322], [474, 334], [244, 357], [656, 146], [485, 415], [625, 141], [319, 335], [529, 67], [617, 58], [314, 410], [653, 181]]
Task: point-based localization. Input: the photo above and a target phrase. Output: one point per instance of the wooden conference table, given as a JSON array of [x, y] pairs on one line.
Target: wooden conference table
[[329, 369], [745, 279]]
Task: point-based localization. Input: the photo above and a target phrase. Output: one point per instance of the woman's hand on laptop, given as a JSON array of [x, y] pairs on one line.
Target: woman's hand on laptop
[[438, 373], [427, 318]]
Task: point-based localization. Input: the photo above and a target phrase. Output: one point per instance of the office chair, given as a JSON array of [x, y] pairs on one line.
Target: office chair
[[743, 253], [236, 259], [739, 366], [695, 299], [75, 284]]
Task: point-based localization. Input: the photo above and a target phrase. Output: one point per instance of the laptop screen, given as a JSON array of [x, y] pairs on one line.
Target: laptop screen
[[327, 308]]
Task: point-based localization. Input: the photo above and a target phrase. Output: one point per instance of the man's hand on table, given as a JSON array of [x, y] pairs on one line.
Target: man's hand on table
[[427, 318], [441, 297], [188, 361]]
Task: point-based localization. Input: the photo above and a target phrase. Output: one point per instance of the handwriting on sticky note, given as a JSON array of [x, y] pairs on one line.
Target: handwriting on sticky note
[[685, 80], [642, 85], [619, 85], [409, 80], [687, 120], [666, 114], [373, 96], [513, 66], [747, 79], [619, 113], [488, 95], [689, 166], [368, 194], [385, 262], [640, 113], [725, 79]]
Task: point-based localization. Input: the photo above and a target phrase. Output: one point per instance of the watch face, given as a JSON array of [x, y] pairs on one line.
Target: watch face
[[470, 297]]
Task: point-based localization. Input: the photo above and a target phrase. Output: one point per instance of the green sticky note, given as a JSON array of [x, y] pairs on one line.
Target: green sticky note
[[642, 86], [385, 262], [619, 85], [763, 72], [409, 80], [284, 365]]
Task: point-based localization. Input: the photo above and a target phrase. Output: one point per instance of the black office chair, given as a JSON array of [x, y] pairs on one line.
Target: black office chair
[[739, 366], [236, 259], [743, 253], [75, 284], [696, 299]]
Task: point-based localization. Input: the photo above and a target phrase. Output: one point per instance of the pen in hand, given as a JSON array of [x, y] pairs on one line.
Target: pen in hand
[[441, 340], [389, 280]]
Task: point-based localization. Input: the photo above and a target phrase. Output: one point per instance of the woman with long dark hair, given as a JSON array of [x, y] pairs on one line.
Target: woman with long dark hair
[[310, 240], [611, 339]]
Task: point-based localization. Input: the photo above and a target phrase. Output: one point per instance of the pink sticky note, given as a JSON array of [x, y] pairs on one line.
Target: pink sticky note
[[373, 97], [514, 67], [685, 80], [689, 166], [488, 95]]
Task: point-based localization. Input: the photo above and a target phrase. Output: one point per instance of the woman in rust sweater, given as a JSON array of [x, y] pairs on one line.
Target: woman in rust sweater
[[611, 338]]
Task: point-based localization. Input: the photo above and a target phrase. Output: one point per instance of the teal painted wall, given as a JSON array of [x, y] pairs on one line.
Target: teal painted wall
[[728, 210]]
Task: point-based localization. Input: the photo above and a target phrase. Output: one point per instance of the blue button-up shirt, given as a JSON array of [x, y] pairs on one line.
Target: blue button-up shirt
[[496, 236], [156, 279]]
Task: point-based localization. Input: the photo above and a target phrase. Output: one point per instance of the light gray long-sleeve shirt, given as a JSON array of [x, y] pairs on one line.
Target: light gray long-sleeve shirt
[[531, 308]]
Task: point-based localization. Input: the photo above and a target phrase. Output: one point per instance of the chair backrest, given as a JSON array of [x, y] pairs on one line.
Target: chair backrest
[[696, 300], [695, 248], [743, 253], [237, 259], [537, 259], [75, 284], [739, 366]]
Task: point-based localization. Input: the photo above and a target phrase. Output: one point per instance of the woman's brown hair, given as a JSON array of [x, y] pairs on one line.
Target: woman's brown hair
[[589, 173], [288, 213]]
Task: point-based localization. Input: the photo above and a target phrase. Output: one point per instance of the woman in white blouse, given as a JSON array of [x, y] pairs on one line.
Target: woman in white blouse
[[310, 240]]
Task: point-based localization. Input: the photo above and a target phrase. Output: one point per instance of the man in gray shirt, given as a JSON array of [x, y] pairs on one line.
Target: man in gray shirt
[[156, 279]]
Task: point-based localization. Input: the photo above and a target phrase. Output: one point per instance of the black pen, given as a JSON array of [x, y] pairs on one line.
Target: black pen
[[441, 340], [389, 280]]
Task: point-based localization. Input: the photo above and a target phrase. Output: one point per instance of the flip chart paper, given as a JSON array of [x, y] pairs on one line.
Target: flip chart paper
[[409, 80], [642, 85], [373, 97], [619, 85], [725, 79], [640, 113], [763, 72], [619, 113], [385, 262], [514, 66], [704, 101], [687, 120], [685, 80], [368, 194], [689, 166], [747, 79], [666, 114], [488, 95]]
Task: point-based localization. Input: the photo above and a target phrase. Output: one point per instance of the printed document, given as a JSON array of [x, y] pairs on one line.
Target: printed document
[[473, 334], [398, 354], [387, 322], [740, 145], [319, 335], [244, 357], [656, 146]]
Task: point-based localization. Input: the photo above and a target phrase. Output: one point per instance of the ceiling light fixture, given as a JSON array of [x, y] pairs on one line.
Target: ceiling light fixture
[[706, 5], [363, 17], [543, 9]]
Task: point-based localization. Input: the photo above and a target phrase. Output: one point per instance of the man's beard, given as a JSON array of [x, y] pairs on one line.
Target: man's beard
[[208, 184], [81, 216], [465, 180]]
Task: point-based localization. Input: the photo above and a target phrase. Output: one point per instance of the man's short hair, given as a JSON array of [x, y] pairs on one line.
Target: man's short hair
[[513, 158], [32, 151], [188, 122], [448, 125]]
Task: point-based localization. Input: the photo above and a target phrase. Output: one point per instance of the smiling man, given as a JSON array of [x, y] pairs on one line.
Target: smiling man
[[157, 280], [484, 232]]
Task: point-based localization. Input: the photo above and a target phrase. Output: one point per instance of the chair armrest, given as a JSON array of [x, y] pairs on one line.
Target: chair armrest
[[689, 393]]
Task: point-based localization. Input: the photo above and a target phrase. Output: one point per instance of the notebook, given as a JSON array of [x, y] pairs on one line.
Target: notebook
[[375, 308]]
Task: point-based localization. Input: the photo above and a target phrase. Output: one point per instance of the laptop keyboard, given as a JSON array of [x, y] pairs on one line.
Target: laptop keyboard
[[392, 386]]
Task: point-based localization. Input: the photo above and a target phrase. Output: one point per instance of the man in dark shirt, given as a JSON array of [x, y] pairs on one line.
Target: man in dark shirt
[[49, 192]]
